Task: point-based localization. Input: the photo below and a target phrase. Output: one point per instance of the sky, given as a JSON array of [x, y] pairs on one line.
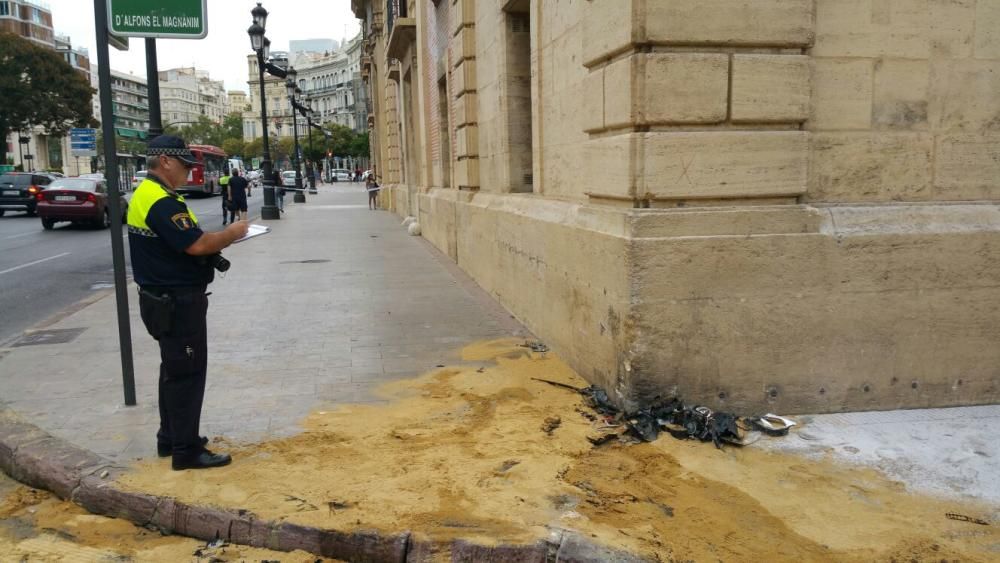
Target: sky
[[223, 52]]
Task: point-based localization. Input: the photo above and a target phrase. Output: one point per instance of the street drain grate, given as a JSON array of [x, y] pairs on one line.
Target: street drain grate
[[54, 336], [314, 261]]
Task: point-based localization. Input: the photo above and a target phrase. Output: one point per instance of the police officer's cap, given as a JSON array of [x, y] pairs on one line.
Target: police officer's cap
[[170, 145]]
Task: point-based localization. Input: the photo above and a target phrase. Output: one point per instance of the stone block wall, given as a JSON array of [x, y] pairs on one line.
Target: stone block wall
[[465, 107], [706, 97], [784, 205], [905, 104]]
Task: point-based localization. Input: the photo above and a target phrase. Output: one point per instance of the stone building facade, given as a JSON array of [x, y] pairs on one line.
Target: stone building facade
[[236, 102], [331, 79], [27, 19], [279, 109], [785, 205], [187, 93], [34, 21]]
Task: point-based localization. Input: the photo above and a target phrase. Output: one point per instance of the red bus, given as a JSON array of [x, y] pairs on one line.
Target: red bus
[[204, 176]]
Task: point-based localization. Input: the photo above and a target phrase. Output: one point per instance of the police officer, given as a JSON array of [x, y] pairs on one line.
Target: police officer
[[224, 188], [173, 262]]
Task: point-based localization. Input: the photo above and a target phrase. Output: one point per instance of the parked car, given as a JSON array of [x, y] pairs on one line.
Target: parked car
[[288, 178], [342, 175], [80, 200], [137, 178], [18, 190]]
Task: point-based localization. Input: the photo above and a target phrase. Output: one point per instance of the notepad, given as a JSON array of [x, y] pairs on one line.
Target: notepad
[[253, 231]]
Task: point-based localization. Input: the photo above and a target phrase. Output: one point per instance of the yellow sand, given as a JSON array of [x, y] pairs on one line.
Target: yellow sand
[[36, 526], [493, 456]]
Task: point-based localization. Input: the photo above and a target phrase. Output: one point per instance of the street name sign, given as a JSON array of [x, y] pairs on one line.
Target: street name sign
[[83, 141], [170, 19]]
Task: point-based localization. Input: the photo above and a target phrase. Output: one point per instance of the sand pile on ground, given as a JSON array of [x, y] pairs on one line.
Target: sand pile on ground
[[35, 526], [483, 451]]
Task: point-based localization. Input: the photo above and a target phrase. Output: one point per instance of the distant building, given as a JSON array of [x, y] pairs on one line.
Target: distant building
[[33, 21], [312, 46], [278, 109], [131, 103], [29, 20], [236, 102], [331, 80], [187, 93], [333, 84], [77, 57]]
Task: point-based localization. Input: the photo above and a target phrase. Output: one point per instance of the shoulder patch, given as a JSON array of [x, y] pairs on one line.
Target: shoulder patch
[[182, 221]]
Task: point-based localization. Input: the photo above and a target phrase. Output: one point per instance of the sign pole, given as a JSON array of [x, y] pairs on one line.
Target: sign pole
[[114, 201], [153, 89]]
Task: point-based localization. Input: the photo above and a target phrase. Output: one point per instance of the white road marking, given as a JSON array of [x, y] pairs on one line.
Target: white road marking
[[9, 270], [20, 235]]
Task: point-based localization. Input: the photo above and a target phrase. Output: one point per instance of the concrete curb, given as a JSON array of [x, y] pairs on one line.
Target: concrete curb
[[38, 459]]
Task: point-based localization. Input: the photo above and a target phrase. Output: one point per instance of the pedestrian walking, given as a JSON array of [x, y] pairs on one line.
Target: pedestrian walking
[[173, 261], [279, 191], [254, 178], [373, 189], [237, 194]]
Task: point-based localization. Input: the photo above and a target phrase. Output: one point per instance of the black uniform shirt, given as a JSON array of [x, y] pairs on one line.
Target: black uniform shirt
[[238, 187], [158, 240]]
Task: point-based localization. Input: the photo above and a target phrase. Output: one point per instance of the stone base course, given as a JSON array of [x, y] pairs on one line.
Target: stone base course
[[40, 460]]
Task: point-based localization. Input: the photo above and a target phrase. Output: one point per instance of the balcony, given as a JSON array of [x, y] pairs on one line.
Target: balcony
[[402, 29]]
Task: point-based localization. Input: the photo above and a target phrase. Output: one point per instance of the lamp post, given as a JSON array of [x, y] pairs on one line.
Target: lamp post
[[291, 85], [326, 149], [262, 46], [309, 123]]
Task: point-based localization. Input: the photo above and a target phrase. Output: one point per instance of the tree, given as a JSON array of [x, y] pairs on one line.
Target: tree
[[360, 146], [38, 87], [341, 138], [254, 149], [232, 126], [233, 147], [202, 132]]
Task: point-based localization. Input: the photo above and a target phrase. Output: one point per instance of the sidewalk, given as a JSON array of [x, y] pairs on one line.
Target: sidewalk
[[336, 300], [379, 407]]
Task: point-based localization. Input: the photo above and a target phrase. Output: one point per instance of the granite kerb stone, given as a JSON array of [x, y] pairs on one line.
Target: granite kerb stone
[[465, 551], [361, 546], [54, 465], [15, 433], [562, 546]]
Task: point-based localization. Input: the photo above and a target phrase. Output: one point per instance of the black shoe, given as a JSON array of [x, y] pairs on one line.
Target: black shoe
[[203, 460], [164, 450]]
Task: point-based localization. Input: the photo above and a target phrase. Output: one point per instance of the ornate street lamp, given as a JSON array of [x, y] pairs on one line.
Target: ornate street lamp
[[259, 15], [309, 123], [262, 46], [291, 86]]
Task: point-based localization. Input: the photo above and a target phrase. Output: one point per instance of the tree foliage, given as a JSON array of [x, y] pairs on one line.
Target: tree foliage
[[38, 87], [233, 147], [207, 132]]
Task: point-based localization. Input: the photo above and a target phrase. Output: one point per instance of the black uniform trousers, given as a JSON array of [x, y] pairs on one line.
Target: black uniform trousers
[[183, 366]]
